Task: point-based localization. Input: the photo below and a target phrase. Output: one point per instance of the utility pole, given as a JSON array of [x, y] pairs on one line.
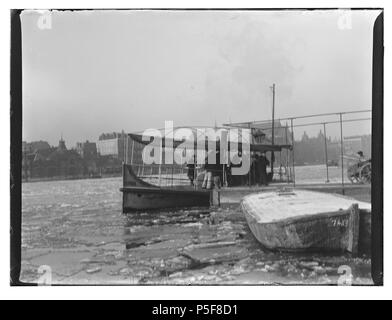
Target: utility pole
[[273, 128]]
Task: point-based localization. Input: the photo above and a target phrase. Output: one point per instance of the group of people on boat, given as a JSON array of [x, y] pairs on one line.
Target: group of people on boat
[[216, 174]]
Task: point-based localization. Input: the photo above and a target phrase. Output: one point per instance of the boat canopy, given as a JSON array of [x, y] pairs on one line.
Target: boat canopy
[[254, 147]]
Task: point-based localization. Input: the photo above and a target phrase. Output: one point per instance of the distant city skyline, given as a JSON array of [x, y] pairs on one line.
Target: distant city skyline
[[87, 73], [298, 137]]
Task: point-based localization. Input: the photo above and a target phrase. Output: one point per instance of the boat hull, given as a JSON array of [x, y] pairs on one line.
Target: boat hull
[[308, 221], [337, 231], [136, 199], [139, 195]]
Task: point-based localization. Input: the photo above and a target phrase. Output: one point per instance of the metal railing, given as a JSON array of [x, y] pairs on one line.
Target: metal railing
[[292, 124]]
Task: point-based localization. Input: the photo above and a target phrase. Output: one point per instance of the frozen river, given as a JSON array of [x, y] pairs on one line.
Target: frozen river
[[74, 233]]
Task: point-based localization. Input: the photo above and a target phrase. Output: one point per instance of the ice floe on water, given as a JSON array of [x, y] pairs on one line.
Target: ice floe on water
[[85, 242]]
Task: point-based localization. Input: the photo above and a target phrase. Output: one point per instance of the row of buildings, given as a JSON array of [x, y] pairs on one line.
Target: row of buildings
[[40, 161], [104, 157]]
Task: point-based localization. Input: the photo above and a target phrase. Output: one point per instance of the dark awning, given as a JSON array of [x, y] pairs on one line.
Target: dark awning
[[253, 147]]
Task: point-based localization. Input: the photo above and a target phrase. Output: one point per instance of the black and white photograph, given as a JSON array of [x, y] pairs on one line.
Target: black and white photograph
[[197, 147]]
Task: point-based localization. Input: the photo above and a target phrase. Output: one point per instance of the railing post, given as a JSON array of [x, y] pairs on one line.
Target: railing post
[[292, 141], [160, 168], [326, 150], [341, 149], [133, 147], [172, 175], [142, 171], [126, 149], [250, 157], [287, 153]]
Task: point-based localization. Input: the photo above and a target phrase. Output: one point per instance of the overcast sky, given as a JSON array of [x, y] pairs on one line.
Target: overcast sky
[[103, 71]]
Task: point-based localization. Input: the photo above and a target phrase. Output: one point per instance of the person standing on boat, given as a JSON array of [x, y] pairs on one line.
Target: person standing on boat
[[208, 167], [361, 157], [191, 170], [236, 180], [218, 171], [213, 172], [255, 172], [263, 164]]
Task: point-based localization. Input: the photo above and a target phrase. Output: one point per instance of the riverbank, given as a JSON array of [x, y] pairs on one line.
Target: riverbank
[[66, 178]]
